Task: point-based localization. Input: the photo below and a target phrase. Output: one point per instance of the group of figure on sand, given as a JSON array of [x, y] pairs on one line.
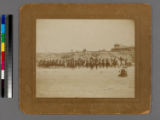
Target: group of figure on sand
[[92, 62]]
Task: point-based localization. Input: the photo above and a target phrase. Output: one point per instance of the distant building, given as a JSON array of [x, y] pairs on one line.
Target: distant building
[[118, 47]]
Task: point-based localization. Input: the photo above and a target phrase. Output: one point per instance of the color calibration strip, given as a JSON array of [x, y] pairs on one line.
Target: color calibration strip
[[6, 56], [2, 55]]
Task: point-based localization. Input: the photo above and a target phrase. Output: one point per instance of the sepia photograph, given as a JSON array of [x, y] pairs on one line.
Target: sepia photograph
[[85, 58]]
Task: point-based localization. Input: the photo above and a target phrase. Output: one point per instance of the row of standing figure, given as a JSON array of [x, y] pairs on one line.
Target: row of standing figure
[[91, 62]]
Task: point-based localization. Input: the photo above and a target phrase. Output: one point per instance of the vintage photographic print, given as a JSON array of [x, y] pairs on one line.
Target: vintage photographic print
[[85, 58]]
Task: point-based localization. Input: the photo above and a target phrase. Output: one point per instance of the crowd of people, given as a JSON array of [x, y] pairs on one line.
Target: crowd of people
[[91, 62]]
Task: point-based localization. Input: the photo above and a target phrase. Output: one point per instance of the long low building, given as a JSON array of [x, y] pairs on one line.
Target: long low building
[[118, 47]]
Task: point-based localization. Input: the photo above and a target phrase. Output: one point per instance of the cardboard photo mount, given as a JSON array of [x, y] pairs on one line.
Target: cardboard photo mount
[[140, 13]]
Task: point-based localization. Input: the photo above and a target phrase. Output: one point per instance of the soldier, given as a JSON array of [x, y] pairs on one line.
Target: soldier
[[107, 62]]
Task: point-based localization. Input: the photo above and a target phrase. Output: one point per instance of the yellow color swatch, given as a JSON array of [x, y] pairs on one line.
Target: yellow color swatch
[[2, 47]]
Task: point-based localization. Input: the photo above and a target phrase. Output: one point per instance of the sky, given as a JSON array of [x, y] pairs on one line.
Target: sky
[[64, 35]]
